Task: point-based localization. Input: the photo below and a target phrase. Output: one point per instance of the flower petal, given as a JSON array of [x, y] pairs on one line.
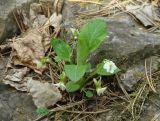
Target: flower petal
[[100, 91]]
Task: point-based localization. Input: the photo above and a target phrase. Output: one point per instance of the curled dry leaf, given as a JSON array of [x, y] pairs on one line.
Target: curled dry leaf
[[32, 46], [29, 49], [146, 14], [39, 21], [54, 22], [155, 2], [44, 94], [16, 78]]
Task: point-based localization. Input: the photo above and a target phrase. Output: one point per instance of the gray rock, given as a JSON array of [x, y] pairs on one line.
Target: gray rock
[[126, 44], [137, 72], [15, 106], [8, 26], [151, 108], [3, 63]]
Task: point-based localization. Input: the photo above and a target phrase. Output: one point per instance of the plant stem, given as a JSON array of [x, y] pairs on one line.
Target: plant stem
[[83, 82], [54, 64]]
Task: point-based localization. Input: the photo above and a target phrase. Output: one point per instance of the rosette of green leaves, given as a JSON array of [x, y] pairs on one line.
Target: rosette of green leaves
[[90, 37]]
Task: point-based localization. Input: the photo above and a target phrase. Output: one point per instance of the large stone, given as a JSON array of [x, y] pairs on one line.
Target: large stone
[[127, 43], [15, 106], [137, 73], [8, 26]]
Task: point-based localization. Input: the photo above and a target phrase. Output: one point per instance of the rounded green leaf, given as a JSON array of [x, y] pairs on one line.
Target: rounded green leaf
[[62, 49], [72, 86], [75, 72], [89, 94], [91, 36]]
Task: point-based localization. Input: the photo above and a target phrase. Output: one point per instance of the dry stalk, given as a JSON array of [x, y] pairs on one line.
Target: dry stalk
[[109, 7], [135, 99], [88, 112], [147, 77], [82, 1], [122, 88], [155, 118], [61, 108], [18, 23]]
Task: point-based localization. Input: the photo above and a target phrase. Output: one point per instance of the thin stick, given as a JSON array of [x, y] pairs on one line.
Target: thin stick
[[135, 99], [82, 1], [150, 73], [17, 22], [87, 112], [149, 82], [61, 108], [74, 119], [108, 7], [155, 118], [122, 88]]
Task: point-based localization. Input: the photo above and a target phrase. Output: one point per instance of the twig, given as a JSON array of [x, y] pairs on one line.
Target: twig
[[82, 1], [148, 79], [87, 112], [107, 8], [122, 88], [84, 117], [155, 118], [17, 22], [60, 108], [74, 119], [135, 99]]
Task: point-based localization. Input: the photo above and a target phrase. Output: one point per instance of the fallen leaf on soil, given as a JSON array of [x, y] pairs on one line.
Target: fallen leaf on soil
[[15, 78], [44, 94], [39, 21], [146, 14], [156, 2], [5, 48], [54, 22], [29, 49]]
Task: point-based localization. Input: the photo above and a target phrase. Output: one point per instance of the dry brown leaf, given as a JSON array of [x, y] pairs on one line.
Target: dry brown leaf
[[146, 14], [29, 49], [54, 21], [156, 2], [33, 45], [39, 21], [44, 94], [15, 78]]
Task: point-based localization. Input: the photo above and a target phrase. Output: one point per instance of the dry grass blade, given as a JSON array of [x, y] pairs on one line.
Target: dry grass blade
[[61, 108], [109, 7], [149, 79], [155, 118], [18, 23], [122, 88], [82, 1], [135, 99], [88, 112]]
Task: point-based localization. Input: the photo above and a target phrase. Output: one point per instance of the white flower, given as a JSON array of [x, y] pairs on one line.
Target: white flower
[[75, 32], [109, 66], [100, 91], [61, 86]]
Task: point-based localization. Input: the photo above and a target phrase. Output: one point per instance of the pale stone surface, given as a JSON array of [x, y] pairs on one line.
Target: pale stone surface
[[8, 26]]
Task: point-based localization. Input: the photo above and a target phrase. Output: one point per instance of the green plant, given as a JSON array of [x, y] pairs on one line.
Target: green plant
[[42, 111], [80, 73]]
